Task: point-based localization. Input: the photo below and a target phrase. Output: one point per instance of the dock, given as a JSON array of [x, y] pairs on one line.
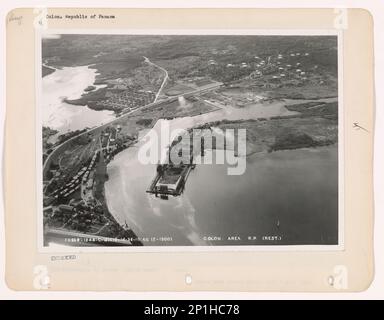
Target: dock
[[170, 180]]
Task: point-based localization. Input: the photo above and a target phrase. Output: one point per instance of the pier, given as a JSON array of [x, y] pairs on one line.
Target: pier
[[170, 179]]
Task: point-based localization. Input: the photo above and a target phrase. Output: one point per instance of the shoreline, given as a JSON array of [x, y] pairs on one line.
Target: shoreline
[[265, 151], [124, 227], [256, 153]]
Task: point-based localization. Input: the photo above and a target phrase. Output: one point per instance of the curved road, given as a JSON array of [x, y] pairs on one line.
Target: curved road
[[165, 78], [125, 114]]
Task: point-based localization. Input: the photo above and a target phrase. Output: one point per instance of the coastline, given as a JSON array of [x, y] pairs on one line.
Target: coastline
[[254, 147], [131, 234]]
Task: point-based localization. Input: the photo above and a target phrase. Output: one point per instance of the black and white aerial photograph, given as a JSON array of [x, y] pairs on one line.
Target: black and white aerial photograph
[[189, 140]]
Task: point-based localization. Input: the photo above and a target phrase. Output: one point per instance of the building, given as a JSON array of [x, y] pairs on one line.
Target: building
[[65, 208]]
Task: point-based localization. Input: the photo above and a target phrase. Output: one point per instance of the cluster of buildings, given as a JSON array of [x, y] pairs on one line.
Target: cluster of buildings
[[75, 216], [278, 70], [108, 138], [129, 99], [83, 179], [108, 141], [274, 68], [76, 210], [76, 181]]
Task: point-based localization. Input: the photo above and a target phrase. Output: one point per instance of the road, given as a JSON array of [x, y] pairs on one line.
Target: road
[[125, 115], [165, 78], [93, 129]]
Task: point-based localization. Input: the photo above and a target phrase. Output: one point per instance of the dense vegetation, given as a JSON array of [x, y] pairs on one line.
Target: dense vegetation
[[119, 55], [296, 140]]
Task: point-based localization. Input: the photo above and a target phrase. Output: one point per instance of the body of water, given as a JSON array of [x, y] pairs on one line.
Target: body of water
[[291, 195], [69, 83]]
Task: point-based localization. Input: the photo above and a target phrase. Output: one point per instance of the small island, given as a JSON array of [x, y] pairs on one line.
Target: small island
[[89, 88]]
